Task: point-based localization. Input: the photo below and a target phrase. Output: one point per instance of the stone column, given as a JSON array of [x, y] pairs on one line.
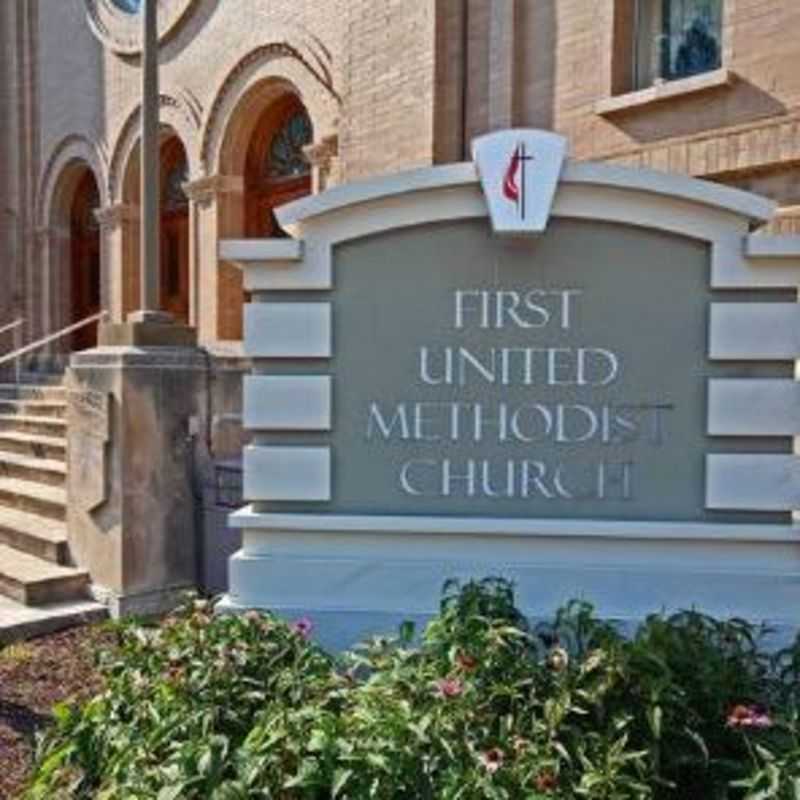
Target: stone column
[[216, 211], [119, 257], [53, 253], [323, 155]]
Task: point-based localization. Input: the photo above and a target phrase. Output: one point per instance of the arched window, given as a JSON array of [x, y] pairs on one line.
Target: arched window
[[128, 6], [285, 158], [276, 169]]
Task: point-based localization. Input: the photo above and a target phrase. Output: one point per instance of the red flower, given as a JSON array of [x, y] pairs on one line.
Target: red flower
[[466, 661], [546, 781], [754, 716], [449, 687], [492, 760]]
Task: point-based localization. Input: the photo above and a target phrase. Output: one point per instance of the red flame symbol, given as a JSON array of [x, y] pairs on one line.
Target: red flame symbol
[[510, 187]]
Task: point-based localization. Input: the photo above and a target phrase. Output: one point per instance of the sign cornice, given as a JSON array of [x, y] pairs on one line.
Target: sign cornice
[[752, 208]]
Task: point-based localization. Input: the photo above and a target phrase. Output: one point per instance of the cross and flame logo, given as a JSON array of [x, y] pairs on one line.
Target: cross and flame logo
[[514, 183]]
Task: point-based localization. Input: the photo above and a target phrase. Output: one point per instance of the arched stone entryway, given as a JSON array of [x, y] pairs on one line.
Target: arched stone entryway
[[261, 165], [174, 230], [175, 294], [276, 169], [84, 246], [72, 285]]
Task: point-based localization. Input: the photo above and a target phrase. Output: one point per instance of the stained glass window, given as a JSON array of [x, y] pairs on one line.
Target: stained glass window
[[676, 39], [285, 158], [128, 6]]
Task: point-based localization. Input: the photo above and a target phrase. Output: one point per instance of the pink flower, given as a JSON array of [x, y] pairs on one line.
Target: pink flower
[[492, 760], [742, 716], [449, 687], [303, 626]]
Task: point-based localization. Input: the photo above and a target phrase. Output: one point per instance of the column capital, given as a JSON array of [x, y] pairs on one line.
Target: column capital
[[111, 217], [49, 233], [320, 153], [323, 155], [205, 190]]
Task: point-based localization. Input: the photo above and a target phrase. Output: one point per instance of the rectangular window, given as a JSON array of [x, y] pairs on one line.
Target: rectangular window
[[675, 39]]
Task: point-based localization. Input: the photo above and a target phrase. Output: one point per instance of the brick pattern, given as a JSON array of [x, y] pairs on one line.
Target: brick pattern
[[390, 85], [389, 61]]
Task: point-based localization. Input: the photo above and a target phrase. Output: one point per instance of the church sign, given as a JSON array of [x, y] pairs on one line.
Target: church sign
[[576, 375]]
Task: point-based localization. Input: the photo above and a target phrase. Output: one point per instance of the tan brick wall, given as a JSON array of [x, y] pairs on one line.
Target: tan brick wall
[[394, 81], [389, 78], [750, 125]]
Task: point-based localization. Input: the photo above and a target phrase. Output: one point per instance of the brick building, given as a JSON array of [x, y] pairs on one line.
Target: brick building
[[263, 101], [706, 87]]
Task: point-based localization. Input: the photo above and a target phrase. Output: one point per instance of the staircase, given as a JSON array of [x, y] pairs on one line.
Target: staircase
[[34, 554]]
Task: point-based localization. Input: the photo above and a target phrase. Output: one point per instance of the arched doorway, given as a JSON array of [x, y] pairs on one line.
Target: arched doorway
[[174, 231], [262, 147], [276, 170], [84, 246]]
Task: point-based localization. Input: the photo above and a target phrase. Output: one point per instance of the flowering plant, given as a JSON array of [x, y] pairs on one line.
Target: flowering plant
[[480, 705]]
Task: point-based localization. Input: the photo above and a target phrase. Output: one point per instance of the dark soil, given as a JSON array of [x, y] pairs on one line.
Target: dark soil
[[34, 676]]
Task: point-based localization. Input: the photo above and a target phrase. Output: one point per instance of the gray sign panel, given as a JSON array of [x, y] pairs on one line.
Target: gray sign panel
[[562, 376]]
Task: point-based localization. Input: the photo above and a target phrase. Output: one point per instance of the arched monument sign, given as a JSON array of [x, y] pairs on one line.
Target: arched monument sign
[[575, 375]]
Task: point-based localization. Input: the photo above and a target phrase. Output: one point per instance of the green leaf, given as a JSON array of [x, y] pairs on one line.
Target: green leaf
[[340, 778], [655, 716], [171, 792]]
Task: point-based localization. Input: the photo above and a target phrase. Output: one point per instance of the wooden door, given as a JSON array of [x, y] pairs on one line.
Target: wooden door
[[175, 265], [85, 262]]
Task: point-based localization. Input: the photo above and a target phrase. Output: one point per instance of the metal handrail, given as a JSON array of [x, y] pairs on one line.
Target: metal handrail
[[11, 326], [29, 348]]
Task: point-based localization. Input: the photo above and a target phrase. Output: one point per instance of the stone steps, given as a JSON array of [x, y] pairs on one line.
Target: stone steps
[[50, 471], [34, 581], [34, 547], [38, 426], [35, 498], [26, 444], [35, 535], [13, 391], [33, 408]]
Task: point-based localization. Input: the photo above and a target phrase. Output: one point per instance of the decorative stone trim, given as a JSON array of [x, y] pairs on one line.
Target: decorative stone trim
[[181, 111], [323, 157], [111, 217], [238, 80], [121, 32], [71, 148], [205, 190]]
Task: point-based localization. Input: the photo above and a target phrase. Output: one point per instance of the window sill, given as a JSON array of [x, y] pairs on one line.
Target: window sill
[[708, 81]]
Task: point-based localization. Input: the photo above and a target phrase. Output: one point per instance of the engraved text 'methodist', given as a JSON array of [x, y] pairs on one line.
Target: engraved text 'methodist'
[[539, 316]]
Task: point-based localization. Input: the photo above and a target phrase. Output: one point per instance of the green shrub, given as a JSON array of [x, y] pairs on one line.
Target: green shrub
[[482, 706]]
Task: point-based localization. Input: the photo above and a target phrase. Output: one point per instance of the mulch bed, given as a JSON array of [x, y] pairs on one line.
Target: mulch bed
[[34, 676]]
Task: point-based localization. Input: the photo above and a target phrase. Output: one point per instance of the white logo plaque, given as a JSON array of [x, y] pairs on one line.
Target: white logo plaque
[[519, 172]]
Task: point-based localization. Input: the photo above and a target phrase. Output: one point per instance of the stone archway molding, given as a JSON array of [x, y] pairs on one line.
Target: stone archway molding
[[71, 149], [304, 71], [178, 110], [121, 32]]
